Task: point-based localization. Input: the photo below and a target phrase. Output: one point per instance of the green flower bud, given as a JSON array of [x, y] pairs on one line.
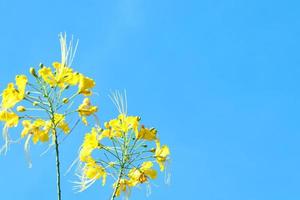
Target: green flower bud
[[65, 100], [153, 150], [32, 72]]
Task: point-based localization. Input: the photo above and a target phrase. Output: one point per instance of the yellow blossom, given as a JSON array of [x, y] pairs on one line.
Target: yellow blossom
[[129, 122], [21, 81], [85, 84], [86, 109], [161, 154], [38, 129], [11, 119], [60, 122], [122, 186], [85, 154], [65, 75], [90, 143], [91, 139], [47, 76], [11, 96], [147, 134], [141, 175], [94, 171], [121, 126]]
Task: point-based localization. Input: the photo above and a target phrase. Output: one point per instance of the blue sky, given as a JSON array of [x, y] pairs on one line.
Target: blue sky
[[219, 80]]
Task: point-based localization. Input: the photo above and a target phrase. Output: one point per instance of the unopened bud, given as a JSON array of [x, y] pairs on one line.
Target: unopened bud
[[65, 100], [32, 72], [35, 103], [28, 93], [145, 146], [153, 150], [106, 125], [67, 87], [111, 164], [21, 109], [87, 101], [41, 65]]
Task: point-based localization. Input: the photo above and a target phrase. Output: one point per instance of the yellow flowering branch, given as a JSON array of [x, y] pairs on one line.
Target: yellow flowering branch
[[129, 152], [42, 100]]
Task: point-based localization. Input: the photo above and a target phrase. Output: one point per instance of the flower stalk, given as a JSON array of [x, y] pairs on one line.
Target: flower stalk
[[114, 193], [57, 166]]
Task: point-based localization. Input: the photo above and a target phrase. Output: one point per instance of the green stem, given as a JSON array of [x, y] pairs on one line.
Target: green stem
[[114, 194], [57, 165]]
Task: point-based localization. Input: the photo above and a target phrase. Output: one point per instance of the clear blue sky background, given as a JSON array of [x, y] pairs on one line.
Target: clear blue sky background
[[219, 79]]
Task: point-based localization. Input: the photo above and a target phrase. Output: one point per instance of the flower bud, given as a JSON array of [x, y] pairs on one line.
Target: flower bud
[[35, 103], [32, 72], [111, 164], [145, 146], [86, 101], [41, 65], [65, 100], [153, 150], [21, 109], [67, 87]]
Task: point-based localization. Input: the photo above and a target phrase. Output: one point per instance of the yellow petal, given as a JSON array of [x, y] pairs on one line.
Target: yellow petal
[[21, 81], [47, 76], [11, 119], [85, 84]]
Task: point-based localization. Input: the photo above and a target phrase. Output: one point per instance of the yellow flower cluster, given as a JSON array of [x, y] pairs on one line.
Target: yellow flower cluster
[[129, 151], [64, 76], [46, 101]]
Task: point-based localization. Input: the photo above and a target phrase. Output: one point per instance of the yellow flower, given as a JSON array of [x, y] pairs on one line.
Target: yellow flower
[[91, 139], [123, 186], [85, 154], [11, 119], [11, 96], [86, 109], [112, 129], [94, 171], [142, 174], [120, 126], [65, 75], [21, 82], [161, 154], [85, 84], [60, 122], [89, 144], [47, 76], [38, 129], [147, 134], [129, 122], [90, 173]]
